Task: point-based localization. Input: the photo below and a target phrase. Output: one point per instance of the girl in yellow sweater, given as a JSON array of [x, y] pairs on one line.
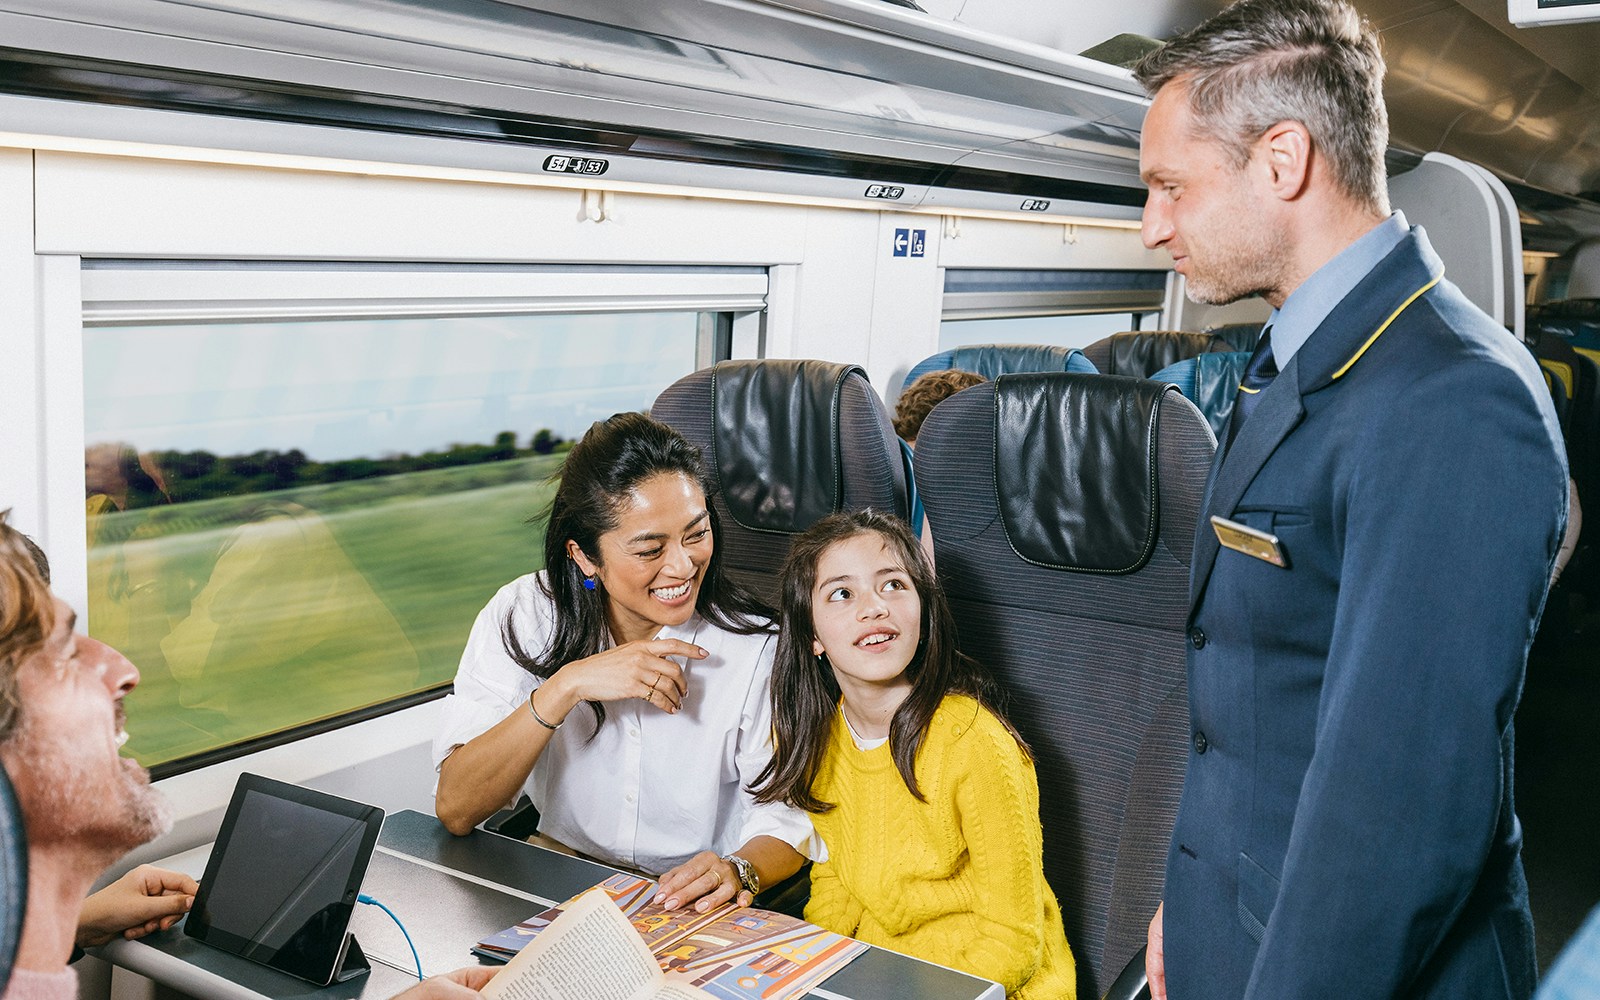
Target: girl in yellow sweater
[[925, 796]]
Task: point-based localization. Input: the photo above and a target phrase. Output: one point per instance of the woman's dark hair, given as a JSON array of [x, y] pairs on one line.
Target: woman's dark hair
[[805, 695], [594, 486]]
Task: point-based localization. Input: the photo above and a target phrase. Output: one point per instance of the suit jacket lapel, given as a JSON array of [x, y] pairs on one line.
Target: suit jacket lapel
[[1274, 417], [1338, 342]]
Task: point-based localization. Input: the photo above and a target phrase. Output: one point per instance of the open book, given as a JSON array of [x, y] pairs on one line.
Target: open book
[[729, 953]]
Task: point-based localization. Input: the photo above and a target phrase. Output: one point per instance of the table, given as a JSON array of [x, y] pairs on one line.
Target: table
[[451, 892]]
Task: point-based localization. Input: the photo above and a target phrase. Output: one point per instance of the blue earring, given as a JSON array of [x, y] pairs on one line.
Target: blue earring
[[588, 583]]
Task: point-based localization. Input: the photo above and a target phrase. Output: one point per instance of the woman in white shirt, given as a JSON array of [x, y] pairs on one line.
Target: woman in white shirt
[[633, 615]]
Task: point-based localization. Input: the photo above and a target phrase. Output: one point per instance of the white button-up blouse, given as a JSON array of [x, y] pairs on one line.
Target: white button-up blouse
[[651, 790]]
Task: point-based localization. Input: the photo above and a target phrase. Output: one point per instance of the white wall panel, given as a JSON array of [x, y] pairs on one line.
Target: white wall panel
[[21, 396], [133, 207], [996, 243], [833, 287], [60, 311], [907, 299]]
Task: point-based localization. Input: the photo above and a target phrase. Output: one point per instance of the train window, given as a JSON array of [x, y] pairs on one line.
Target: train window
[[298, 502], [1062, 308]]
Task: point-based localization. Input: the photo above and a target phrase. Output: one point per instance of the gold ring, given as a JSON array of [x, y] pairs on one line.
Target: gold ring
[[718, 874]]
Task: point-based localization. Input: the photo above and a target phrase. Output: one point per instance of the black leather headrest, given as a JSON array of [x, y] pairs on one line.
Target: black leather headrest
[[754, 403], [1141, 354], [1084, 498], [13, 877]]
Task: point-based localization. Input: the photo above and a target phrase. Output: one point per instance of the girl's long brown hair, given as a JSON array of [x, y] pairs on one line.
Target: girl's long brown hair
[[805, 695]]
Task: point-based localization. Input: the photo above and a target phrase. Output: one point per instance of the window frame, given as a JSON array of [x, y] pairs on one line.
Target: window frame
[[112, 292]]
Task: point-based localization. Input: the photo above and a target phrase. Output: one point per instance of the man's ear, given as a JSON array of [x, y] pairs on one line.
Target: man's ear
[[576, 555], [1285, 152]]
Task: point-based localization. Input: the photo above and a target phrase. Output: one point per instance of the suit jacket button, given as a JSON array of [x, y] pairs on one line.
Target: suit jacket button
[[1197, 637], [1201, 744]]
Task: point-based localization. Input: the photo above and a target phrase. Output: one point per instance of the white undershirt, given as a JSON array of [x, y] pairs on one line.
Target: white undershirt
[[855, 737]]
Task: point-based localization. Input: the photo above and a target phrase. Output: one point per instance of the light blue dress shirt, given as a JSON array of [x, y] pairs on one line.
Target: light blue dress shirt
[[1307, 306]]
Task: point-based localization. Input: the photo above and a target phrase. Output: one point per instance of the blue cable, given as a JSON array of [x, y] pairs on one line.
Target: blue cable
[[364, 898]]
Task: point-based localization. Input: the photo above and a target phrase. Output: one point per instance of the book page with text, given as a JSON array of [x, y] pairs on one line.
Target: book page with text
[[590, 952]]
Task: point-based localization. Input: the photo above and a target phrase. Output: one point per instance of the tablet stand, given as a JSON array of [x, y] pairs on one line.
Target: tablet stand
[[352, 961]]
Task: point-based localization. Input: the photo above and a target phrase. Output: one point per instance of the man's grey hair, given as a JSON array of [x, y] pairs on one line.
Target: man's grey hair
[[1261, 62]]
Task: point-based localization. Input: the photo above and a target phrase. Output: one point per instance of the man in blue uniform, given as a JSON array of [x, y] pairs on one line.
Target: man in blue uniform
[[1372, 557]]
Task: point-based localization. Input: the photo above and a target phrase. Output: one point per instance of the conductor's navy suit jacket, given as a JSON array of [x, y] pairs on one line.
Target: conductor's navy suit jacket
[[1346, 827]]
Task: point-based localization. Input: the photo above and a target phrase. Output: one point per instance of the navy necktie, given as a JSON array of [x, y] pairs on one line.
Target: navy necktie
[[1258, 374]]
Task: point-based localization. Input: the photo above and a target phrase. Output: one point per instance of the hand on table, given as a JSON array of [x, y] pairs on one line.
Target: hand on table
[[143, 901]]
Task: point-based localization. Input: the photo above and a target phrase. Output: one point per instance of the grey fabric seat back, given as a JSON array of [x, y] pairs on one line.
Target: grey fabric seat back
[[1142, 353], [1063, 512], [786, 443], [13, 877]]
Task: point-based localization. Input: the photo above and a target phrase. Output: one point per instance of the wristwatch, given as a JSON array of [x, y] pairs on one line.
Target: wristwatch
[[748, 876]]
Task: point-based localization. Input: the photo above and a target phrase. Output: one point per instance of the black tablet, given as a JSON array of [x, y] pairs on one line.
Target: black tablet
[[283, 877]]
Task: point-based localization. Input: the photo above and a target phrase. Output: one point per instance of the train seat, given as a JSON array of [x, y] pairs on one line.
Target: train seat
[[1567, 372], [1558, 377], [994, 360], [13, 877], [1575, 320], [786, 442], [1574, 375], [1242, 336], [1142, 353], [1210, 382], [1067, 571]]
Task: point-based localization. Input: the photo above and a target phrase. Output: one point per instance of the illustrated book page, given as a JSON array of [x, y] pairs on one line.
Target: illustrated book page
[[732, 953]]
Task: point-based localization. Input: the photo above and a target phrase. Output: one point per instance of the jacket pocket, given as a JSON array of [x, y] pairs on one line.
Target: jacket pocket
[[1273, 518], [1258, 891]]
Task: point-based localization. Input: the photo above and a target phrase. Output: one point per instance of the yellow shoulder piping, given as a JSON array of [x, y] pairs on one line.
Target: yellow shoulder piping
[[1379, 332]]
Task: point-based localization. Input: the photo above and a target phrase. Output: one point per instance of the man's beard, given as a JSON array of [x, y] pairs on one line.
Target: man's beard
[[90, 802], [1254, 264]]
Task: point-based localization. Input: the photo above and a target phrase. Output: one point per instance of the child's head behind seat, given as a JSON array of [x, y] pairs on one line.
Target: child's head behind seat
[[919, 398]]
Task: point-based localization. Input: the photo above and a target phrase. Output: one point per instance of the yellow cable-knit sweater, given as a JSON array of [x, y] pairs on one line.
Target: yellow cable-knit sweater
[[958, 879]]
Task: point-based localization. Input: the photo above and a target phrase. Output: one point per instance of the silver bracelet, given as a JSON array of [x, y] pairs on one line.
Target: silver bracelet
[[539, 718]]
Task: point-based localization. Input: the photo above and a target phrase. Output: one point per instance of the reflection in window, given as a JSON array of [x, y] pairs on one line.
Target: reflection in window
[[290, 521]]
